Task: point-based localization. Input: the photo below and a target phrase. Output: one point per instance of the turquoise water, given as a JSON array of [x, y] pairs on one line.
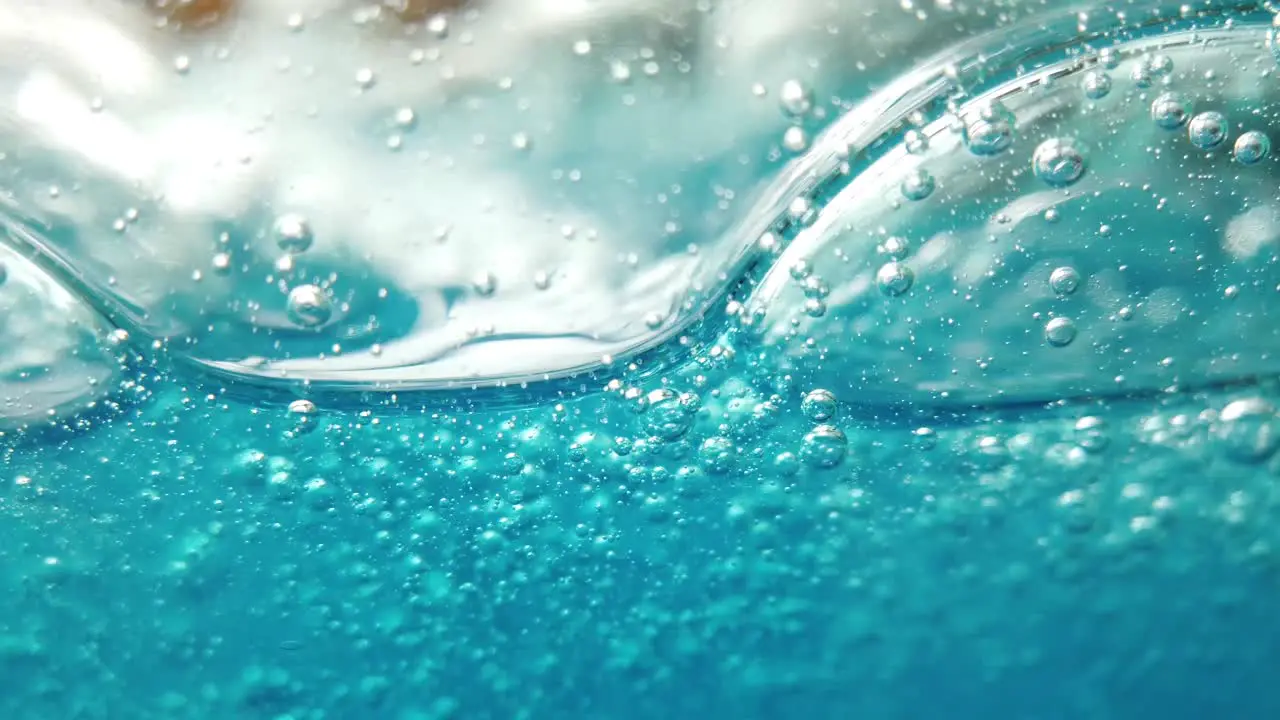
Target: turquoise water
[[966, 409]]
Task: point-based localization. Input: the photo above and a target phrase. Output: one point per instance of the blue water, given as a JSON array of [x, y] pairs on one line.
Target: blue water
[[1002, 449]]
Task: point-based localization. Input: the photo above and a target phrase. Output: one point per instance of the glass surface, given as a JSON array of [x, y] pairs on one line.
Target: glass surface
[[638, 358]]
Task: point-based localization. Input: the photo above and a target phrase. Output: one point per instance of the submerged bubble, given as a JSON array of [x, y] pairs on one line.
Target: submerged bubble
[[1064, 280], [795, 139], [484, 284], [896, 247], [819, 405], [989, 131], [1247, 430], [1058, 161], [795, 98], [1170, 110], [669, 414], [824, 447], [293, 233], [303, 413], [1091, 434], [894, 278], [1251, 147], [918, 184], [1207, 130], [1096, 84], [1060, 332], [309, 306], [916, 142]]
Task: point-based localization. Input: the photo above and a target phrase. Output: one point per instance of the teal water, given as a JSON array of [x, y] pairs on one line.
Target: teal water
[[968, 410]]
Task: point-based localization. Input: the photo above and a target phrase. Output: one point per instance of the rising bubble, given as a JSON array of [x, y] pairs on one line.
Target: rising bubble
[[1251, 148], [293, 233], [819, 405], [1170, 110], [989, 131], [1064, 280], [1060, 332]]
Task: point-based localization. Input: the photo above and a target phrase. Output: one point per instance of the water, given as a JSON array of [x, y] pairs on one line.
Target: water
[[946, 396]]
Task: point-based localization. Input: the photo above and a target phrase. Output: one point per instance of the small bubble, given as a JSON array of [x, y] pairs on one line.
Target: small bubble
[[293, 233], [1060, 332], [1246, 430], [1170, 110], [309, 306], [894, 278], [303, 412], [990, 130], [669, 414], [1109, 58], [405, 118], [918, 184], [1091, 434], [221, 263], [365, 78], [4, 273], [1159, 65], [182, 64], [1096, 84], [819, 405], [1058, 162], [1207, 130], [795, 139], [484, 284], [796, 99], [542, 280], [1064, 281], [1251, 148], [815, 307], [438, 25], [521, 141], [917, 142], [1141, 77], [924, 438], [896, 247], [824, 447]]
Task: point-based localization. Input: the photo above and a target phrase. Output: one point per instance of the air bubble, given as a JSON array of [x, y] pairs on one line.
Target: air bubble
[[484, 284], [309, 306], [795, 98], [1170, 111], [990, 130], [819, 405], [894, 278], [1064, 281], [918, 185], [795, 139], [1251, 148], [1091, 434], [1058, 162], [1246, 430], [824, 447], [917, 143], [1207, 130], [293, 233], [669, 414], [303, 412], [1096, 84], [1060, 332], [896, 247]]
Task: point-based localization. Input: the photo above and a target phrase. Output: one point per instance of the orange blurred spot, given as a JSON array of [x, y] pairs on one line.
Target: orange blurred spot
[[192, 13], [418, 10]]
